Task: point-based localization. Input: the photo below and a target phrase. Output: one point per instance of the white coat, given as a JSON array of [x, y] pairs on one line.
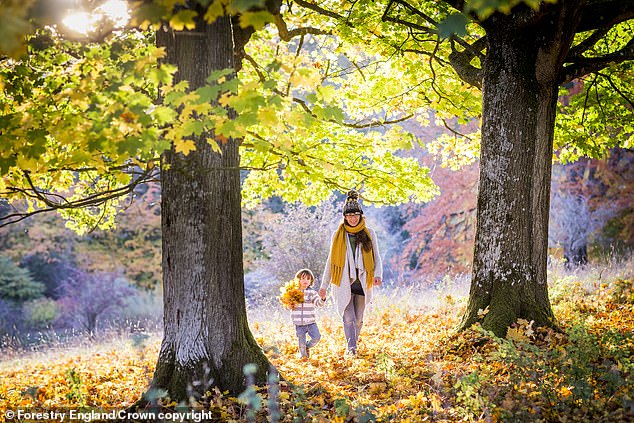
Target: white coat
[[342, 294]]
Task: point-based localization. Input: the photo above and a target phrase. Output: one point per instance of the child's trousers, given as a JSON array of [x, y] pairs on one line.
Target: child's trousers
[[312, 331]]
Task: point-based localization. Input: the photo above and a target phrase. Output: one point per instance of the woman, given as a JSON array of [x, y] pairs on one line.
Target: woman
[[353, 267]]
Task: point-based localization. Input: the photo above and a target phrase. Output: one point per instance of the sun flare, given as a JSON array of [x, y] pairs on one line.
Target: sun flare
[[113, 11]]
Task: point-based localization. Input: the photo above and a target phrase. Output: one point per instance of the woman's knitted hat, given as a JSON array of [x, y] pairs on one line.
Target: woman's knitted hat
[[352, 204]]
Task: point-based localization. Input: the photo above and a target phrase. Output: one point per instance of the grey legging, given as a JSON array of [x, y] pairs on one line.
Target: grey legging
[[353, 320]]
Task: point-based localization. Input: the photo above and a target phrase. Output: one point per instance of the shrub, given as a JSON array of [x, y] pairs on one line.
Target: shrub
[[10, 318], [141, 311], [300, 239], [89, 297], [41, 312]]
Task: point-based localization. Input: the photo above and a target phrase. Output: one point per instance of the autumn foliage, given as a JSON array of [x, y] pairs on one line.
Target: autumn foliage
[[442, 231], [411, 366], [291, 294]]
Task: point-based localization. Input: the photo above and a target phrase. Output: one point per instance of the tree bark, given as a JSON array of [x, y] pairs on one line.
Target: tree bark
[[519, 106], [207, 340]]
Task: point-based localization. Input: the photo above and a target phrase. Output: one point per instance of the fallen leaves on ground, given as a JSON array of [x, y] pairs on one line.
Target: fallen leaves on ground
[[411, 366]]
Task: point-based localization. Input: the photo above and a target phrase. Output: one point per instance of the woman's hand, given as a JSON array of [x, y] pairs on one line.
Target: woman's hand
[[377, 281], [322, 293]]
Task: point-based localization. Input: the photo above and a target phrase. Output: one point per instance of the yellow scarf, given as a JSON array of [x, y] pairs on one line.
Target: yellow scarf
[[338, 253]]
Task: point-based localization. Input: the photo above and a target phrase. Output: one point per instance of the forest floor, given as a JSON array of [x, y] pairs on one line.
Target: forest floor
[[411, 366]]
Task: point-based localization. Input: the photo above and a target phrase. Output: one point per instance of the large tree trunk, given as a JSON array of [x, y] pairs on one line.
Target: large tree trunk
[[519, 106], [207, 340]]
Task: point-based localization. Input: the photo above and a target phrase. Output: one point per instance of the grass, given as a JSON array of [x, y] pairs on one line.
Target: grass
[[411, 365]]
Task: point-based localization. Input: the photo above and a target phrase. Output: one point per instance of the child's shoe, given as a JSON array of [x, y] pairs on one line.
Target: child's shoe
[[303, 353]]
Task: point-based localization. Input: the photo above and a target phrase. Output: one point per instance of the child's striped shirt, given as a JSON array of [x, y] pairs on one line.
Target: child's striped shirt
[[304, 313]]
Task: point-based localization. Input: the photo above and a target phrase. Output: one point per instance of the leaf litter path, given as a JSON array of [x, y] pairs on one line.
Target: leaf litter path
[[411, 365]]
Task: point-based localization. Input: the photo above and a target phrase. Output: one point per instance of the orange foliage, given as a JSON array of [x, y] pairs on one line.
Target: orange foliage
[[443, 231], [411, 366]]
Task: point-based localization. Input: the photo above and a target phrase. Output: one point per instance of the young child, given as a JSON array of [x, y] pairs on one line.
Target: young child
[[303, 314]]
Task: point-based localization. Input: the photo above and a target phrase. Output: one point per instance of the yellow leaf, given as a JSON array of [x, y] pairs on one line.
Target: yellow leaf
[[27, 163], [516, 334], [377, 387], [214, 145], [267, 117], [184, 146], [307, 78], [566, 391], [183, 19], [214, 11], [482, 313], [291, 295]]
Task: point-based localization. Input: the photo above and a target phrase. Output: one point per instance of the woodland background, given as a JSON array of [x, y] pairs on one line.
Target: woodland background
[[48, 271], [80, 316]]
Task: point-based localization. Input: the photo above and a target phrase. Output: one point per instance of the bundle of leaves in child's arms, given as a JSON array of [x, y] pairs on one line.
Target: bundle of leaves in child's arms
[[291, 295]]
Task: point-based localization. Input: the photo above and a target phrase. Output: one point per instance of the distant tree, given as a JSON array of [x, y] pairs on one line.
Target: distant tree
[[16, 283], [594, 197], [90, 296], [614, 187], [136, 239], [40, 313], [48, 249], [442, 231], [43, 235], [10, 317], [253, 221], [572, 222], [299, 239], [49, 268]]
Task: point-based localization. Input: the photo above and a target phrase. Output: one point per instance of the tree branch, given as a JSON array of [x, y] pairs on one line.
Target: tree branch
[[586, 65], [55, 202], [617, 90], [387, 18], [579, 49], [605, 13], [287, 35], [461, 62], [372, 124], [320, 10]]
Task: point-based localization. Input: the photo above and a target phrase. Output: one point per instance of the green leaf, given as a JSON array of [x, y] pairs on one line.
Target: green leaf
[[453, 24], [335, 113], [161, 75], [257, 20], [242, 6], [150, 13], [208, 93], [193, 128], [217, 75], [164, 115], [341, 407]]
